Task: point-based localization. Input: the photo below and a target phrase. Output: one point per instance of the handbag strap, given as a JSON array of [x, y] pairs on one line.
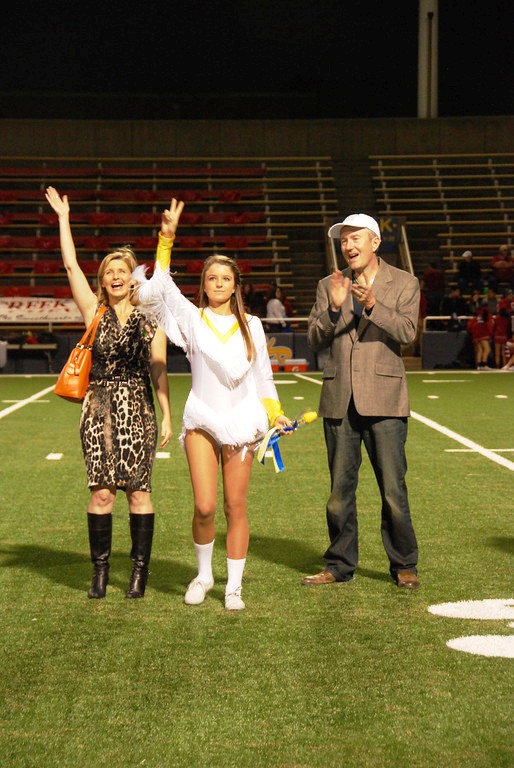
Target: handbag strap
[[90, 333]]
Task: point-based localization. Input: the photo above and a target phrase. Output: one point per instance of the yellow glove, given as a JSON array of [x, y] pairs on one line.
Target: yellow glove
[[273, 409], [163, 255]]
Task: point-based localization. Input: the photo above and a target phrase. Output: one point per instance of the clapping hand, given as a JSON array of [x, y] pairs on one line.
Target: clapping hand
[[363, 292], [339, 288]]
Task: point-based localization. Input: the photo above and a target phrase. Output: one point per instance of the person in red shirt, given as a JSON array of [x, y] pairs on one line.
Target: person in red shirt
[[502, 328], [434, 288], [502, 268], [480, 329]]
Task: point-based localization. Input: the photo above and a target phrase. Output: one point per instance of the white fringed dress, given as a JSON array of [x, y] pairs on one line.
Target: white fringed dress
[[225, 398]]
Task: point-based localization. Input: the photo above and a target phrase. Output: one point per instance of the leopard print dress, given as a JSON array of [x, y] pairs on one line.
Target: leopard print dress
[[118, 425]]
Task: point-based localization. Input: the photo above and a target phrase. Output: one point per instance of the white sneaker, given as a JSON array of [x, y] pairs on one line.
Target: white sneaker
[[233, 601], [197, 590]]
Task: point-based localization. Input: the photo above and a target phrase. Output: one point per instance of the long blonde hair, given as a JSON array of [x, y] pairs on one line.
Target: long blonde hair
[[128, 257], [236, 300]]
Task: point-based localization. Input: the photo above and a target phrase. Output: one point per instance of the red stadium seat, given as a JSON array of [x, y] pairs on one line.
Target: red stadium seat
[[62, 292], [194, 266], [152, 219], [48, 219], [236, 242], [229, 195], [90, 267], [47, 243], [97, 243], [194, 218], [101, 219], [189, 242], [145, 243], [47, 266]]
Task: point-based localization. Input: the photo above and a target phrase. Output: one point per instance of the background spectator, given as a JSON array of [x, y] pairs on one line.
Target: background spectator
[[480, 328], [249, 297], [454, 305], [434, 287], [287, 305], [475, 301], [503, 328], [491, 300], [470, 273], [276, 312], [502, 268]]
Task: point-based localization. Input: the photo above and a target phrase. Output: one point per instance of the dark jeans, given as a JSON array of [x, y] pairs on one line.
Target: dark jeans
[[384, 439]]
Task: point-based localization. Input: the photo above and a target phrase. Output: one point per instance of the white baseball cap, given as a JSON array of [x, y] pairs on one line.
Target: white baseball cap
[[358, 220]]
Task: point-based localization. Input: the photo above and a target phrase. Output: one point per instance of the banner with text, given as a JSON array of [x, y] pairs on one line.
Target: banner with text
[[28, 310]]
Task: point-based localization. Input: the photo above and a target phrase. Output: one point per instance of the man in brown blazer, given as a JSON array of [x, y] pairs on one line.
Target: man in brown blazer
[[362, 316]]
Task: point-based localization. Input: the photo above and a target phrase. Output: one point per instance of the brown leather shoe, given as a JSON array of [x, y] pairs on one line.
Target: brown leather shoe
[[324, 577], [407, 579]]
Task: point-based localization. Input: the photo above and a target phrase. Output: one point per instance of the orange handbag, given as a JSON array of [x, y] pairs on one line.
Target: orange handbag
[[73, 380]]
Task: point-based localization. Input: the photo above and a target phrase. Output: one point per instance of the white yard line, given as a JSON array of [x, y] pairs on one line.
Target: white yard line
[[488, 454], [470, 450], [309, 378], [21, 403]]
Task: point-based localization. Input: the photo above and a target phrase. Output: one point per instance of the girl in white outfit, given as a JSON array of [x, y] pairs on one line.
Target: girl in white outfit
[[232, 403]]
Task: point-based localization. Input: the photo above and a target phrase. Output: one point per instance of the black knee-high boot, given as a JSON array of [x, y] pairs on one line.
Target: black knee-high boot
[[141, 533], [100, 541]]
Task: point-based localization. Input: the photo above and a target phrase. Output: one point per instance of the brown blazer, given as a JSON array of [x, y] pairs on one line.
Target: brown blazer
[[366, 360]]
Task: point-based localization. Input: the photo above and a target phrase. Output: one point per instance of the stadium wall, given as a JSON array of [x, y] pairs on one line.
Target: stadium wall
[[342, 139]]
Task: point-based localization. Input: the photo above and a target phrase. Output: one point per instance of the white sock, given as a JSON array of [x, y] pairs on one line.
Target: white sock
[[204, 559], [235, 574]]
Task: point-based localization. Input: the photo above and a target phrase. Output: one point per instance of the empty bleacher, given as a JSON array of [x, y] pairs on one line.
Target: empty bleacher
[[450, 203], [265, 212]]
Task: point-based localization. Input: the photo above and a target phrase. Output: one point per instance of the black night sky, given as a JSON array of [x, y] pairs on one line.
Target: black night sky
[[333, 58]]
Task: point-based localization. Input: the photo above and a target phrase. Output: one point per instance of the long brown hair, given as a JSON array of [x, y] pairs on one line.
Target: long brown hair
[[236, 300], [128, 257]]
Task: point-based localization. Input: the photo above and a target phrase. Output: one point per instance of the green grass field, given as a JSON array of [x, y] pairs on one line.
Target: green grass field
[[352, 675]]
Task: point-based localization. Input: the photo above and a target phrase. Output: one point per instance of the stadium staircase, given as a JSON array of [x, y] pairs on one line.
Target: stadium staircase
[[450, 203]]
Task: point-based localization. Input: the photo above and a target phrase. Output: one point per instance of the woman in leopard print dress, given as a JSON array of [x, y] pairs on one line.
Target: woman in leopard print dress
[[118, 425]]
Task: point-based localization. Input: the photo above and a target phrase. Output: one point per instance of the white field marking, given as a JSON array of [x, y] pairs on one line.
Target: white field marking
[[297, 397], [468, 450], [502, 397], [448, 432], [28, 400], [284, 381], [433, 397], [501, 646], [453, 372], [54, 456], [308, 378], [445, 381], [464, 441], [17, 401], [491, 609], [162, 455]]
